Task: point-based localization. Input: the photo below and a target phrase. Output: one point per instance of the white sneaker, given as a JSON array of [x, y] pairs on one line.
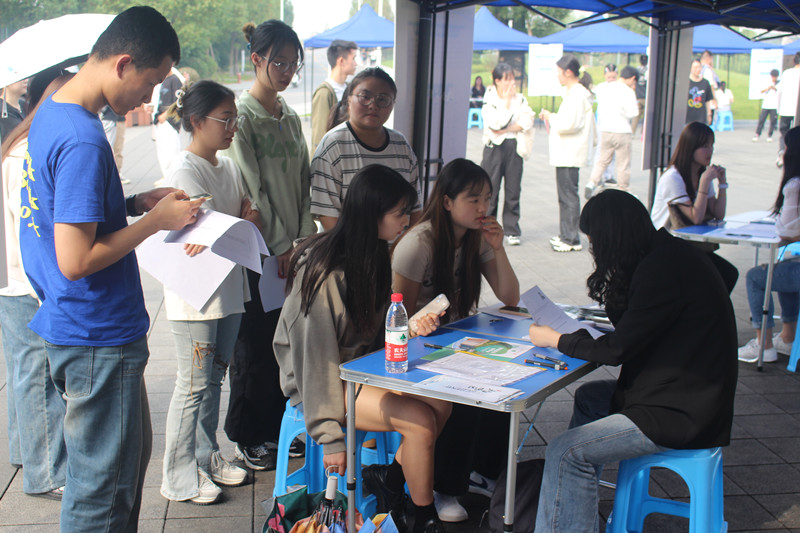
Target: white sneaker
[[208, 492], [749, 353], [224, 473], [755, 139], [562, 246], [448, 508], [769, 139], [781, 346], [479, 484], [512, 240], [588, 191]]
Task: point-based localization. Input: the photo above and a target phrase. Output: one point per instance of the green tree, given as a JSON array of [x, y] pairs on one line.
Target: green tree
[[527, 21], [355, 5]]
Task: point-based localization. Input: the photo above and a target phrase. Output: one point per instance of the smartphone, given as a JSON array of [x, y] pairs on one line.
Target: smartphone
[[202, 195], [514, 310]]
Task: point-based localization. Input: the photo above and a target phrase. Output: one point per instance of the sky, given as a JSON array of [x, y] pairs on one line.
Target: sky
[[314, 16]]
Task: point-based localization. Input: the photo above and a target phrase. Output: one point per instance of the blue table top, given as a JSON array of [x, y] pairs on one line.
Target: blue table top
[[370, 369]]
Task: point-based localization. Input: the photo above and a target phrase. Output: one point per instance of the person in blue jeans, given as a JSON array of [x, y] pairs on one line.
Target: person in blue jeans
[[786, 276], [675, 339], [35, 409], [77, 248]]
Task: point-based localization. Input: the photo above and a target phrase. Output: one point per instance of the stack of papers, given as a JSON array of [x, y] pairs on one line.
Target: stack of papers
[[471, 389]]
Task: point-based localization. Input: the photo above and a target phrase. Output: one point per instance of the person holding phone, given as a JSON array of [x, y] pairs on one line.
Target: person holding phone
[[455, 244]]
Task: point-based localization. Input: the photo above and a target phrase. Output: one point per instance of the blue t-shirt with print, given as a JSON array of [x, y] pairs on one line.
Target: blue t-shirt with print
[[70, 177]]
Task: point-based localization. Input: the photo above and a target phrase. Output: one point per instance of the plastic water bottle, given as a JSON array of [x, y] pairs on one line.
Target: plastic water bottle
[[397, 336]]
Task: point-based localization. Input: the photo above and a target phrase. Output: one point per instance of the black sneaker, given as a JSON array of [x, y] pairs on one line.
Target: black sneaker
[[297, 448], [260, 457], [431, 525], [374, 478]]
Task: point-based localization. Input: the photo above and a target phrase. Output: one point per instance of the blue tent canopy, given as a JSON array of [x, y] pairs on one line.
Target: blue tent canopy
[[721, 40], [601, 37], [792, 48], [491, 34], [365, 28]]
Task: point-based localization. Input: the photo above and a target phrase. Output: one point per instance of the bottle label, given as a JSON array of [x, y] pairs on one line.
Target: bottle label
[[396, 346]]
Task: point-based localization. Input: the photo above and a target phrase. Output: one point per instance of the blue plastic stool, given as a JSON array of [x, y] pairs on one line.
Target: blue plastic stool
[[723, 121], [312, 473], [795, 355], [474, 118], [702, 472]]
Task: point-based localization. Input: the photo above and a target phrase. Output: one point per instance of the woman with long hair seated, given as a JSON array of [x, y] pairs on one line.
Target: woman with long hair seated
[[675, 340], [455, 245], [339, 287], [786, 276]]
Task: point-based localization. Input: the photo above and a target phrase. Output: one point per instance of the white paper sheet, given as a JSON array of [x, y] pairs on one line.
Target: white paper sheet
[[229, 241], [494, 310], [545, 313], [480, 369], [192, 278], [270, 286], [231, 237], [470, 389]]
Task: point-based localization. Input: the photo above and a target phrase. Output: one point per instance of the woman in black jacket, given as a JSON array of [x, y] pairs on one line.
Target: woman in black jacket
[[675, 338]]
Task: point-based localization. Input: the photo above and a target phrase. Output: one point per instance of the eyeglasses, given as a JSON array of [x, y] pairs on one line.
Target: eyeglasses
[[382, 100], [231, 123], [283, 66]]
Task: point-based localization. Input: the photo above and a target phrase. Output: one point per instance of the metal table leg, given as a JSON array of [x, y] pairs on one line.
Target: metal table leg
[[350, 474], [511, 476]]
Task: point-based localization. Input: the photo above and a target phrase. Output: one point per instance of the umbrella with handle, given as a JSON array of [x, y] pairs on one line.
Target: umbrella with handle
[[63, 41]]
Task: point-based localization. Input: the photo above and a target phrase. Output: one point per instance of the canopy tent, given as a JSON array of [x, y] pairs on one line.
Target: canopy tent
[[721, 40], [491, 34], [792, 48], [365, 28], [602, 37]]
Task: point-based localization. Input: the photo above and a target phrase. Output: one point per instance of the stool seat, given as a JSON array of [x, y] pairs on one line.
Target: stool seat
[[723, 121], [474, 118], [702, 472], [312, 473], [795, 355]]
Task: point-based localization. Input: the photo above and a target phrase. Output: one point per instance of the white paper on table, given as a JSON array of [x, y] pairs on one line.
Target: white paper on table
[[754, 229], [470, 389], [545, 313], [494, 310], [270, 286], [231, 237], [195, 279], [472, 368]]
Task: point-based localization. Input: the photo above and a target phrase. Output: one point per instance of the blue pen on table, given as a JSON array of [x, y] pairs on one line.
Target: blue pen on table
[[561, 365]]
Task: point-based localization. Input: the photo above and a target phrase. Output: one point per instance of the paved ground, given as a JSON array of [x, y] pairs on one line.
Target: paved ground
[[762, 465]]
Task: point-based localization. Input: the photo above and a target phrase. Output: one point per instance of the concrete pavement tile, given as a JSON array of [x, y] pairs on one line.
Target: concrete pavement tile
[[743, 513], [154, 505], [148, 526], [787, 448], [765, 479], [781, 425], [213, 524], [769, 382], [754, 404], [553, 411], [789, 402], [17, 508], [31, 528], [748, 452], [785, 507]]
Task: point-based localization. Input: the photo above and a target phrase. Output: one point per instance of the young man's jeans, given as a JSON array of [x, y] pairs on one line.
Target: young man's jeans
[[574, 460], [107, 432], [204, 349], [35, 408], [786, 281], [569, 205]]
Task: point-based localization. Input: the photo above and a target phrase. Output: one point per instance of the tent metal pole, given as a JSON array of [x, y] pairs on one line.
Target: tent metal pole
[[429, 121], [422, 96]]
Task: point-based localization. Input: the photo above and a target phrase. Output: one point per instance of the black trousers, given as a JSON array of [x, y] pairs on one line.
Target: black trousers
[[472, 439], [784, 125], [762, 118], [256, 401], [503, 164]]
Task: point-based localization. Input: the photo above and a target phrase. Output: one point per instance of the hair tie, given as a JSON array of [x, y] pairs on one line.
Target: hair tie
[[248, 46], [179, 102]]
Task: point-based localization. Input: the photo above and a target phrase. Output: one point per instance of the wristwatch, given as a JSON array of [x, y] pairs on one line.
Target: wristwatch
[[130, 206]]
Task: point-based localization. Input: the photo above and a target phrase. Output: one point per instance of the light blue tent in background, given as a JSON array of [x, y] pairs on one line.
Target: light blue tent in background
[[365, 28], [721, 40], [601, 37], [491, 34]]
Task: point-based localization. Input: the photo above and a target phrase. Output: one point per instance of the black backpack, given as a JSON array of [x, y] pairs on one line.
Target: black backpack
[[526, 502]]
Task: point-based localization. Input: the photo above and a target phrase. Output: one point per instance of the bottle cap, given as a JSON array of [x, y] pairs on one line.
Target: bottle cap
[[397, 297]]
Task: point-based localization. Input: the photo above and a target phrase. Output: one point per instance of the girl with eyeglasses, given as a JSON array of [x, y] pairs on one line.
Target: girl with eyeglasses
[[204, 338], [272, 154], [361, 140]]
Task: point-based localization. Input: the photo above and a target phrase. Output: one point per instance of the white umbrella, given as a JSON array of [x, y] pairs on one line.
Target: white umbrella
[[62, 41]]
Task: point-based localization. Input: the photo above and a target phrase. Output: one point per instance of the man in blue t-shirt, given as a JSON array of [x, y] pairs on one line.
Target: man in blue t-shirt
[[78, 253]]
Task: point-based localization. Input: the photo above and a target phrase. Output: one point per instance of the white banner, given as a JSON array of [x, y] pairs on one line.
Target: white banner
[[762, 61], [542, 80]]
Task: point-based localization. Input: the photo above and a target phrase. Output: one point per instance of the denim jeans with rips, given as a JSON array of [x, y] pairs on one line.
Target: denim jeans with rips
[[35, 408], [204, 349], [107, 433]]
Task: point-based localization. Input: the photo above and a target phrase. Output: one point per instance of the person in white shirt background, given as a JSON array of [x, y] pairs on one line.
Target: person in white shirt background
[[769, 107], [724, 97], [616, 107], [788, 89]]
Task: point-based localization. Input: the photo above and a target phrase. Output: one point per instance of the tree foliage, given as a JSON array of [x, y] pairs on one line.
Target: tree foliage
[[210, 31], [355, 5]]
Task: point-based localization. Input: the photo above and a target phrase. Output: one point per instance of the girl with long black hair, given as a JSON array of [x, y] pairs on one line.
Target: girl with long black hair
[[339, 289]]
